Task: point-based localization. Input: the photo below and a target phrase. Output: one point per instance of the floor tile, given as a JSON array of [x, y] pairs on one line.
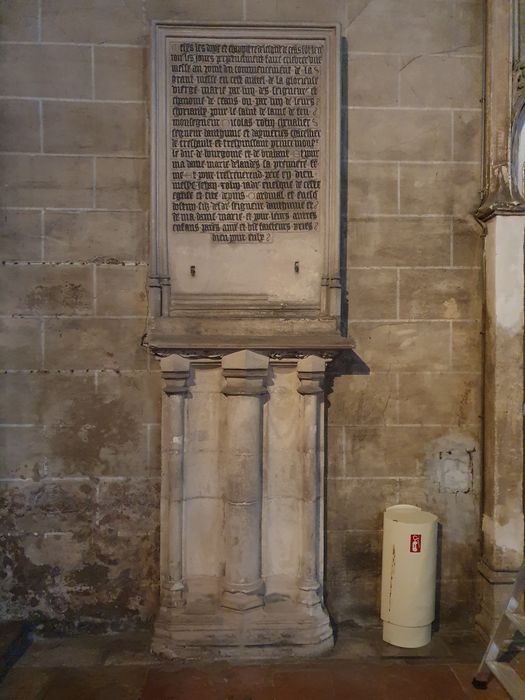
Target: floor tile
[[186, 684], [84, 650], [303, 684], [24, 684], [396, 682], [98, 683], [465, 673]]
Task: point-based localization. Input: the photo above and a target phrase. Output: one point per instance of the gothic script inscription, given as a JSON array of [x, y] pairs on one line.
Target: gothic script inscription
[[245, 137]]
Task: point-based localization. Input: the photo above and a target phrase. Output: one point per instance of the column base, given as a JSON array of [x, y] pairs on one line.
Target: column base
[[274, 631], [494, 589], [173, 596], [240, 601]]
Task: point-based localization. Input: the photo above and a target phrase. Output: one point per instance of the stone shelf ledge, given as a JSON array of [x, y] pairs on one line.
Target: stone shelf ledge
[[285, 346]]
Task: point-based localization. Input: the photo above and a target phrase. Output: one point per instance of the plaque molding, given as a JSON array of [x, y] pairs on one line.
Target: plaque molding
[[171, 292]]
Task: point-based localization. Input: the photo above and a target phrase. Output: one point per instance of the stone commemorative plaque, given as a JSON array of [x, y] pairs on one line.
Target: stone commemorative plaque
[[246, 151]]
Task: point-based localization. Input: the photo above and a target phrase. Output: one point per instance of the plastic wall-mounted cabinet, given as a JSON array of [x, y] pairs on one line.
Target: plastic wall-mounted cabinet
[[408, 586]]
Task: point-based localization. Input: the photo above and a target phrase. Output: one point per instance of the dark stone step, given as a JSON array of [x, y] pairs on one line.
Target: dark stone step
[[15, 638]]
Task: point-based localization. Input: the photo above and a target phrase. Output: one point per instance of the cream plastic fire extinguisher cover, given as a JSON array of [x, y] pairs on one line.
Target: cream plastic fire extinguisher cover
[[409, 566]]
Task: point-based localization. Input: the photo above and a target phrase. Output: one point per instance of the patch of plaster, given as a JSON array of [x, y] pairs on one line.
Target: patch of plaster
[[451, 462], [506, 536], [508, 280]]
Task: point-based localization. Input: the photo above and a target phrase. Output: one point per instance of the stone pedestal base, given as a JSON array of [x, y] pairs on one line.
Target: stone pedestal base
[[273, 631], [494, 589], [242, 507]]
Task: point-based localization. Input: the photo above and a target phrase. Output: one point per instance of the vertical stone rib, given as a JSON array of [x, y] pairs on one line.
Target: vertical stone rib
[[244, 373], [503, 517], [311, 376], [175, 372]]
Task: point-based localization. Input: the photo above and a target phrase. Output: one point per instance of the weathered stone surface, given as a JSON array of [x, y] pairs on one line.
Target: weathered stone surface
[[36, 70], [121, 183], [48, 505], [46, 290], [19, 20], [372, 294], [372, 189], [20, 126], [94, 344], [466, 346], [424, 26], [122, 290], [468, 242], [20, 235], [93, 22], [425, 81], [45, 181], [372, 80], [336, 451], [356, 598], [128, 506], [467, 135], [70, 597], [364, 400], [409, 346], [376, 134], [41, 397], [105, 433], [98, 128], [25, 454], [439, 189], [95, 236], [353, 554], [140, 392], [296, 10], [453, 294], [453, 399], [358, 504], [20, 343], [381, 452], [399, 241], [120, 73], [102, 438], [194, 10], [456, 601]]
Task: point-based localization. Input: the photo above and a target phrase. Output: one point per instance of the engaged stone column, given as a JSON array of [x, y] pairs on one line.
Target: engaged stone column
[[311, 372], [244, 372], [175, 372], [502, 527]]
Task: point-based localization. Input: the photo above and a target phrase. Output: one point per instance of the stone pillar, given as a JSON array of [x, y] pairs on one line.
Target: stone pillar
[[502, 527], [175, 372], [311, 377], [244, 374], [503, 215]]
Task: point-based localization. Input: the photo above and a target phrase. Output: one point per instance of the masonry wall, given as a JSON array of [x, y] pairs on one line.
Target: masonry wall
[[80, 396]]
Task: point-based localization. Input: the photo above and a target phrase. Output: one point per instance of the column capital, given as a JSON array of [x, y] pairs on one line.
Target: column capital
[[175, 372], [311, 373], [245, 372]]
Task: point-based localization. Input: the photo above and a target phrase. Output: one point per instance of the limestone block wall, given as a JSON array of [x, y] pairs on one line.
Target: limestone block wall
[[81, 397]]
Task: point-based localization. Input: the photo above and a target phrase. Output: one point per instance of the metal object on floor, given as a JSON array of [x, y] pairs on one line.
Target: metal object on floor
[[494, 662]]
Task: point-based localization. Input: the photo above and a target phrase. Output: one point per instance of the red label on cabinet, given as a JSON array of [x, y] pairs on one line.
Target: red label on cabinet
[[415, 543]]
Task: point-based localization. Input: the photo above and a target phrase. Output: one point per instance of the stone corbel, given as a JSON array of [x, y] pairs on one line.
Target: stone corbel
[[175, 372], [311, 373], [244, 373]]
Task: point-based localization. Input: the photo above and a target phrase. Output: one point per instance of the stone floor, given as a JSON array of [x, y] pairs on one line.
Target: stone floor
[[361, 667]]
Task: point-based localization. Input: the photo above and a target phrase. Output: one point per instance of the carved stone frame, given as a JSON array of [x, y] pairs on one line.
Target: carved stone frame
[[161, 296]]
